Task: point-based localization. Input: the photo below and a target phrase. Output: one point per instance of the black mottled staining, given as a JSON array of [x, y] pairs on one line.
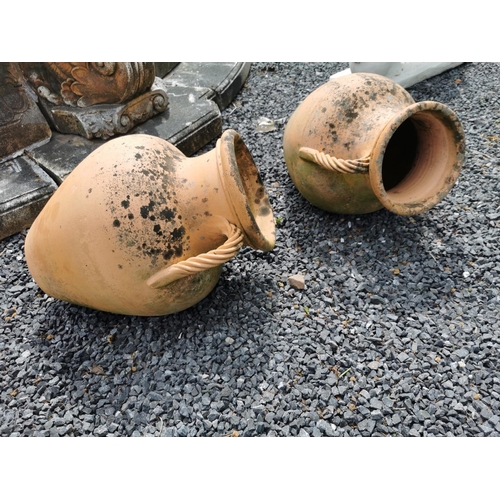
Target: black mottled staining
[[138, 156], [116, 223], [120, 266], [130, 216], [145, 209], [167, 214], [90, 190], [168, 254], [178, 233], [157, 229], [351, 115], [333, 132], [125, 203]]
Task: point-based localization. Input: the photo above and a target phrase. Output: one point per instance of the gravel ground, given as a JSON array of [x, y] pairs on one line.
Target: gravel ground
[[395, 334]]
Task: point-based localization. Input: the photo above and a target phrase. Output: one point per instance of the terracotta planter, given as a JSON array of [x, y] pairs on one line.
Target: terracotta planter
[[138, 228], [360, 142]]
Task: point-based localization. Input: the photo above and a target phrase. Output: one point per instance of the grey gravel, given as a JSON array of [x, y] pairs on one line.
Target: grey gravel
[[360, 351]]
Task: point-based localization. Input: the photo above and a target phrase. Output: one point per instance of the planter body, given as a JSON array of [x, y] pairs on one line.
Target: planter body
[[137, 228], [360, 142]]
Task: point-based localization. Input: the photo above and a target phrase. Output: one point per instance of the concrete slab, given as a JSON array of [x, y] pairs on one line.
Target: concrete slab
[[190, 121], [24, 190], [221, 81]]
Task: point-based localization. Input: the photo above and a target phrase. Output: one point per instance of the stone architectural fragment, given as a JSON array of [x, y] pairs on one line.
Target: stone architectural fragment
[[22, 125], [97, 100]]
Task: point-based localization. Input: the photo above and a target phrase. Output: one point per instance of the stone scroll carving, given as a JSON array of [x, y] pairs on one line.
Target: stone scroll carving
[[96, 100]]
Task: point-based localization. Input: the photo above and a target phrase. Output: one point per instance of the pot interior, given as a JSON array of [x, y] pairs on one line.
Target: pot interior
[[248, 194], [400, 155], [421, 161]]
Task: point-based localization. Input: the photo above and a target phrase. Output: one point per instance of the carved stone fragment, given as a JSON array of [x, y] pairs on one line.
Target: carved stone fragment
[[96, 100], [22, 125]]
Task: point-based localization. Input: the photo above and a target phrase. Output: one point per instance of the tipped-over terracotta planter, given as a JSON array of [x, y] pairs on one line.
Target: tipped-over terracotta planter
[[360, 142], [137, 228]]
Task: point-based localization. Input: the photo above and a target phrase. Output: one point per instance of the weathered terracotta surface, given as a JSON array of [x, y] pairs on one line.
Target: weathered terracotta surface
[[360, 142], [138, 228]]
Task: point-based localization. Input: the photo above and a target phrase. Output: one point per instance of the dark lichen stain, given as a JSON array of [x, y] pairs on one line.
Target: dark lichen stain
[[157, 229], [264, 211], [152, 218], [130, 216], [145, 209], [138, 156], [168, 254], [204, 200], [120, 266], [139, 147], [178, 251], [167, 214], [90, 190], [178, 233], [116, 223], [351, 115], [125, 203]]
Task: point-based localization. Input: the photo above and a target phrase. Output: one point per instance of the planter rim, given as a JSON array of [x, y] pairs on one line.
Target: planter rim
[[245, 191], [431, 111]]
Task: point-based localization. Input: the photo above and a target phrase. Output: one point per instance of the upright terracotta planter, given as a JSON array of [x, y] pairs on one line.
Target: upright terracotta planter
[[137, 228], [360, 142]]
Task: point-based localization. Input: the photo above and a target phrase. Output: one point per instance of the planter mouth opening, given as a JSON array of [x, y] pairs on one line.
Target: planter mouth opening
[[417, 158], [245, 191]]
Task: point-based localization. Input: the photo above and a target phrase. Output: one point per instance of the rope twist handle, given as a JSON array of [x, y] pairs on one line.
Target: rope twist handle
[[202, 262], [359, 166]]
